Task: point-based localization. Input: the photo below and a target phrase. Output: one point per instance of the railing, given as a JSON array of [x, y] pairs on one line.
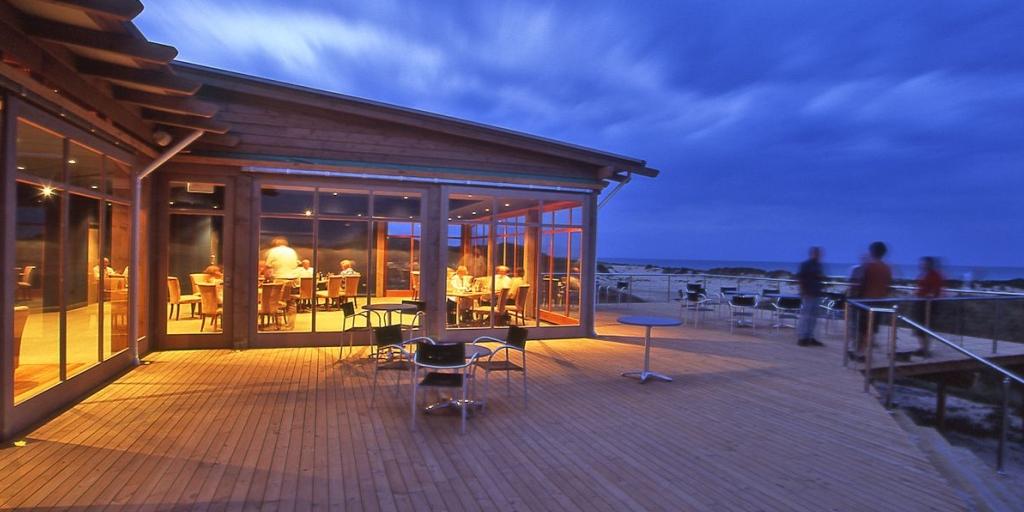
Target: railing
[[872, 309]]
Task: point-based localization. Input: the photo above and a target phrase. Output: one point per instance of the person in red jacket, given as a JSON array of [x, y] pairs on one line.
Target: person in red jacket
[[929, 286], [873, 280]]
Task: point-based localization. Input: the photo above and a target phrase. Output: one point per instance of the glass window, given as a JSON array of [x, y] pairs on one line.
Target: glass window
[[37, 250], [400, 257], [39, 152], [87, 270], [565, 213], [285, 245], [469, 279], [344, 202], [119, 179], [286, 200], [195, 256], [517, 210], [196, 196], [396, 205], [116, 247], [561, 275], [85, 166]]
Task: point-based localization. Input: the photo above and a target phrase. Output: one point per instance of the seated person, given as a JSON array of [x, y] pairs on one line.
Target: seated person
[[214, 274], [348, 268], [501, 278], [461, 280], [108, 270], [305, 269]]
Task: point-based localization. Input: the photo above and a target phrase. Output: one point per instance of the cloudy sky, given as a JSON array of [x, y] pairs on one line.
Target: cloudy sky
[[776, 125]]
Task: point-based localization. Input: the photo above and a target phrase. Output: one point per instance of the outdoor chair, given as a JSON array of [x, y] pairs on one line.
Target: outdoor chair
[[446, 366], [351, 289], [498, 313], [391, 355], [696, 305], [742, 309], [176, 299], [786, 308], [348, 325], [418, 317], [306, 288], [515, 341], [209, 305], [693, 287], [272, 307], [835, 309]]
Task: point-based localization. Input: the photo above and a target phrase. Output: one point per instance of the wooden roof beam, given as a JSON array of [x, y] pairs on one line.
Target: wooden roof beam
[[128, 46], [155, 79], [185, 105], [120, 10], [191, 122]]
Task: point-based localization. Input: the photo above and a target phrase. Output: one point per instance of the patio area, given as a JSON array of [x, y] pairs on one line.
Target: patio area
[[748, 424]]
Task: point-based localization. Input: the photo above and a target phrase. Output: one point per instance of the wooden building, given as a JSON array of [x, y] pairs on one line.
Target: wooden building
[[152, 205]]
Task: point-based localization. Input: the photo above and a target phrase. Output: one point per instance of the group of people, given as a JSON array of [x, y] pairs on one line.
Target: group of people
[[283, 263], [871, 279]]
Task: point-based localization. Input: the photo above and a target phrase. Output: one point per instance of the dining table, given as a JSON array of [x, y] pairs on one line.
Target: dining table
[[388, 309], [648, 322]]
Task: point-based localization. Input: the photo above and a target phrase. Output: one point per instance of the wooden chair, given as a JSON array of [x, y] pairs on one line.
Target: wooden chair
[[25, 283], [351, 289], [20, 319], [272, 307], [209, 305], [332, 295], [515, 341], [306, 287], [118, 320], [499, 312], [518, 307], [176, 299]]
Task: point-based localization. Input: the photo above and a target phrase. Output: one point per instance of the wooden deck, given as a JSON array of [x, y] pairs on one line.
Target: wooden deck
[[748, 424]]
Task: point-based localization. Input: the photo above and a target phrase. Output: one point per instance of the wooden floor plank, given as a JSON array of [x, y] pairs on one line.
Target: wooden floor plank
[[750, 423]]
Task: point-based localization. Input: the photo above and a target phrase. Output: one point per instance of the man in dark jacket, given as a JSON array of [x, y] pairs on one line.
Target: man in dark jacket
[[811, 279]]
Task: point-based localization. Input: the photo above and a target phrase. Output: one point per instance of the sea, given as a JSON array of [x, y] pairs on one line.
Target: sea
[[900, 270]]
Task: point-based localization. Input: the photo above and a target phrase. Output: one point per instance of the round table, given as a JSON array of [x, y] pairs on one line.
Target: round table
[[390, 308], [648, 322]]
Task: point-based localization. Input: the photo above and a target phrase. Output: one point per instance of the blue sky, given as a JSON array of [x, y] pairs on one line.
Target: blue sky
[[777, 125]]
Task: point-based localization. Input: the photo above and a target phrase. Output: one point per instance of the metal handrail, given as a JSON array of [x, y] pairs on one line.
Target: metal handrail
[[1008, 376]]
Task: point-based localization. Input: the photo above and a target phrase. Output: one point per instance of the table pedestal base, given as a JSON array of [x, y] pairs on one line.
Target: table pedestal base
[[454, 405], [644, 375]]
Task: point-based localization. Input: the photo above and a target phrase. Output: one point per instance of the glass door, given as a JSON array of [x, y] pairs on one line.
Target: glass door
[[193, 255]]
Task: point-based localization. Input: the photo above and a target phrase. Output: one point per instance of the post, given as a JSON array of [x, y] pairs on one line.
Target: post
[[869, 338], [668, 289], [892, 359], [846, 335], [629, 290], [1004, 427], [940, 405], [995, 327], [133, 271]]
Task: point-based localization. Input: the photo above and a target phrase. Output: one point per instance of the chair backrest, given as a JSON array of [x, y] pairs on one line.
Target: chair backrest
[[173, 290], [208, 298], [348, 308], [305, 288], [789, 302], [516, 336], [20, 319], [443, 355], [770, 291], [693, 296], [26, 274], [520, 300], [692, 287], [502, 300], [744, 301], [334, 286], [387, 335], [114, 283], [352, 285], [420, 305], [270, 298], [196, 279]]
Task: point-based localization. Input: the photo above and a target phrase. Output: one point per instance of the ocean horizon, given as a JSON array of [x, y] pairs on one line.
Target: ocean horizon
[[833, 269]]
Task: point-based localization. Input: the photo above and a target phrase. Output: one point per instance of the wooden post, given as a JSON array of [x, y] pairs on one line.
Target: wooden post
[[940, 405], [9, 199]]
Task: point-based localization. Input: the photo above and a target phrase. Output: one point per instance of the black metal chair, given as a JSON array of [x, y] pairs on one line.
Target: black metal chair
[[786, 308], [436, 359], [835, 309], [696, 304], [742, 307], [417, 317], [515, 341], [348, 324], [391, 354]]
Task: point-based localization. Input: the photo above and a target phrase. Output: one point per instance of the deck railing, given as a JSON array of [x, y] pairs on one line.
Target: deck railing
[[874, 308]]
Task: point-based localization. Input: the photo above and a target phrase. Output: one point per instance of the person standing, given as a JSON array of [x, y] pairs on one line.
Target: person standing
[[929, 286], [282, 260], [811, 279], [875, 283]]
